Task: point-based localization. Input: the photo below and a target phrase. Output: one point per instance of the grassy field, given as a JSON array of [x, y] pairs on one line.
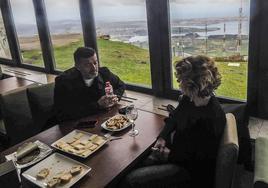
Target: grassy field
[[132, 65]]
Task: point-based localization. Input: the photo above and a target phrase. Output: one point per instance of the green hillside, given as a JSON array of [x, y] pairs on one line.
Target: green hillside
[[132, 64]]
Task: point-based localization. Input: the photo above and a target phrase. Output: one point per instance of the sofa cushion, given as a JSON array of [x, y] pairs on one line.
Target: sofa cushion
[[17, 115], [41, 99]]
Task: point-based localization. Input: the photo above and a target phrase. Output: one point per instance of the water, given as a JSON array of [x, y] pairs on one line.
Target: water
[[136, 32]]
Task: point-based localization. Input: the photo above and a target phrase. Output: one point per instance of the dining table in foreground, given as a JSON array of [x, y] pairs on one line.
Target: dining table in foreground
[[116, 157]]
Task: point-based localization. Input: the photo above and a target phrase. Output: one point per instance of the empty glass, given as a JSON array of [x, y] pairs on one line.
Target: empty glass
[[132, 115]]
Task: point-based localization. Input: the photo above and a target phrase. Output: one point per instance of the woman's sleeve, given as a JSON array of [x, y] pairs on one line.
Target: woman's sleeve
[[171, 121]]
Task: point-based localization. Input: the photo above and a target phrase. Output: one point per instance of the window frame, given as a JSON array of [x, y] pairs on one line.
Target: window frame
[[159, 34]]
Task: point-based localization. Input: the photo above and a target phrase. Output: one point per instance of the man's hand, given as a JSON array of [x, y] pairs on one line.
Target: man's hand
[[160, 144], [107, 101]]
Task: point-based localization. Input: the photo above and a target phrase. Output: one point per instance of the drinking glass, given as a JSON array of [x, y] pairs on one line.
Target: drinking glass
[[132, 115]]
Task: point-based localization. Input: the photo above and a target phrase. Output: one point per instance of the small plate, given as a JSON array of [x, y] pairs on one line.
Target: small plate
[[85, 137], [127, 124], [55, 163]]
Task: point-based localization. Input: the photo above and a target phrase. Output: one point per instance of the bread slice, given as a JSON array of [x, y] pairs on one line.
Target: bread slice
[[86, 153], [53, 182], [79, 147], [66, 177], [76, 170], [92, 137], [78, 136], [43, 173], [98, 140]]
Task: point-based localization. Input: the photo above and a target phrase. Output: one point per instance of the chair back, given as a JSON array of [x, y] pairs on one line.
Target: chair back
[[17, 115], [227, 154], [261, 163], [8, 175], [41, 100]]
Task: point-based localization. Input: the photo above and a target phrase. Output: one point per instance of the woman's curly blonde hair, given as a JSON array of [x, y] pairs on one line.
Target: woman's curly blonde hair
[[197, 75]]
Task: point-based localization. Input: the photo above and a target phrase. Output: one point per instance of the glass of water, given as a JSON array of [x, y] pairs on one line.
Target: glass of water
[[132, 115]]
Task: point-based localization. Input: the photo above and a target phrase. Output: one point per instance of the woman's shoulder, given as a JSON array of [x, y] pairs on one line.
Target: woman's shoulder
[[216, 107]]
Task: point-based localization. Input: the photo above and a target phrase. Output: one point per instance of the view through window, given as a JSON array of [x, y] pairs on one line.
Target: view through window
[[24, 18], [122, 33], [4, 48], [218, 29], [65, 29]]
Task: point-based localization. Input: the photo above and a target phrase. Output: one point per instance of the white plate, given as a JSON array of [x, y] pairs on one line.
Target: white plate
[[103, 125], [85, 137], [55, 163]]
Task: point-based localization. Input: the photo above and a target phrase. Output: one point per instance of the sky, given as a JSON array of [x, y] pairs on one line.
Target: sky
[[124, 10]]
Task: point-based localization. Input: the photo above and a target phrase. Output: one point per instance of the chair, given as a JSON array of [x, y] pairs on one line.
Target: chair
[[8, 175], [41, 100], [227, 154], [261, 163], [17, 115]]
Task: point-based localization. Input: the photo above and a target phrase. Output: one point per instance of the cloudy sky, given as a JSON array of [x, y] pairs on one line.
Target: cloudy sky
[[121, 10]]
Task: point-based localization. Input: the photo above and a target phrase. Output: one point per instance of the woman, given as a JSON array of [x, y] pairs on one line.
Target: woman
[[192, 131]]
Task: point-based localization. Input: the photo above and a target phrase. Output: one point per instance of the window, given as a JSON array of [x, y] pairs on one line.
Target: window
[[122, 34], [218, 29], [4, 48], [24, 18], [65, 29]]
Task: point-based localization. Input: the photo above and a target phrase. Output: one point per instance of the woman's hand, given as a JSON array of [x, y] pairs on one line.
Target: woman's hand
[[160, 144]]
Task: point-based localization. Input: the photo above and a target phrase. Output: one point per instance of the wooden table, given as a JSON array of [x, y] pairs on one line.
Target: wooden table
[[116, 157], [12, 83]]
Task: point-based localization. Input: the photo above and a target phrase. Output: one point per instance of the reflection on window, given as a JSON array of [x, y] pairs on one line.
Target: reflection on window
[[216, 29], [4, 48], [24, 18], [123, 39], [66, 30]]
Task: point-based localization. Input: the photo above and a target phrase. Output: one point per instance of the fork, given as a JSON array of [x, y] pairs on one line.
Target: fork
[[110, 137]]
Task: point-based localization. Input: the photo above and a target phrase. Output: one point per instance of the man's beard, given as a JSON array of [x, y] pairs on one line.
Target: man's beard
[[93, 75]]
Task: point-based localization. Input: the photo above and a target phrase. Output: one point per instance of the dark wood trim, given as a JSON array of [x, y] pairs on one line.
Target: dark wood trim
[[6, 61], [166, 45], [262, 70], [253, 60], [44, 35], [154, 11], [140, 89], [88, 24], [31, 67], [10, 31]]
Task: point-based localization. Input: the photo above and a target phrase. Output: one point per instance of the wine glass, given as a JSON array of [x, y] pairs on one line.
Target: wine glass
[[132, 115]]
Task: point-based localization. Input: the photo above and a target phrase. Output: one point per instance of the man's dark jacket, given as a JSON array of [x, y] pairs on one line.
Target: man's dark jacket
[[73, 99]]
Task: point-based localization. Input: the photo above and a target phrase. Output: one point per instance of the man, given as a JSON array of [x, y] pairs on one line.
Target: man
[[80, 91]]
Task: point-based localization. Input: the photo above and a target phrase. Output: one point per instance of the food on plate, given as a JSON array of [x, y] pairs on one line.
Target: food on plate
[[82, 146], [93, 147], [53, 182], [58, 175], [79, 152], [71, 141], [66, 177], [76, 169], [117, 122], [98, 140], [84, 142], [86, 153], [78, 136], [43, 173], [79, 147], [92, 137], [75, 143]]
